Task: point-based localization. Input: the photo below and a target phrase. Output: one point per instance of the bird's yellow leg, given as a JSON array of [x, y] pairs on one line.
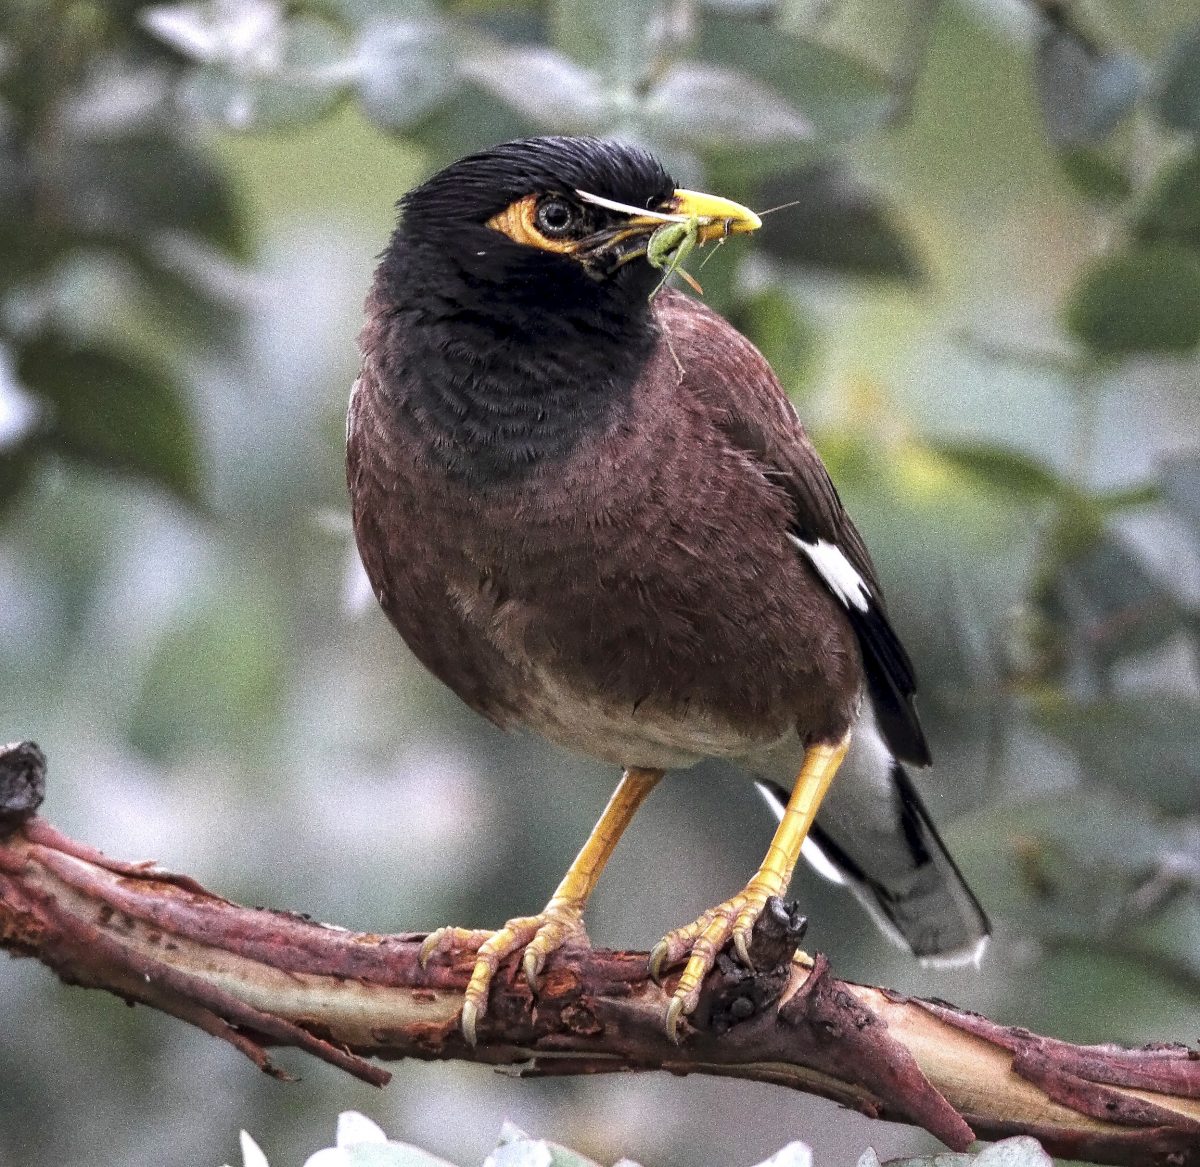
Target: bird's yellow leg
[[702, 940], [562, 918]]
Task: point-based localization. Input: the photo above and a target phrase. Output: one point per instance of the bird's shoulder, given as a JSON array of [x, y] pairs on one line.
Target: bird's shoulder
[[724, 370]]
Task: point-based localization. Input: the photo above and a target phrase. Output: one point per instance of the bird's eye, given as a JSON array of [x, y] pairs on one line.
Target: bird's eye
[[555, 217]]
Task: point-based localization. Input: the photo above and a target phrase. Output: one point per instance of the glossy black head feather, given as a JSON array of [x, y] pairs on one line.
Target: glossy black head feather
[[511, 353], [475, 188]]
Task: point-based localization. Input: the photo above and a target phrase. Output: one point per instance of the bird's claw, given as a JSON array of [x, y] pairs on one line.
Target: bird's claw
[[538, 935], [674, 1012], [700, 942], [532, 964], [467, 939], [468, 1021]]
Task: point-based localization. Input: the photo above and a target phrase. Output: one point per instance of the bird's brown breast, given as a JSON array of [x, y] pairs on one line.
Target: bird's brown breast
[[637, 599]]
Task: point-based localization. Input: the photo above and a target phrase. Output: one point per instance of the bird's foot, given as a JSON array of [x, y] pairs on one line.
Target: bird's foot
[[700, 942], [558, 924]]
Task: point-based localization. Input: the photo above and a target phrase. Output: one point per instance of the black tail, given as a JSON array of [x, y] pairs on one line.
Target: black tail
[[877, 838]]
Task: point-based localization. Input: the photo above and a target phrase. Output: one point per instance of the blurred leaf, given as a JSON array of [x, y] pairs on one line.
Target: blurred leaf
[[795, 1154], [237, 32], [782, 330], [293, 79], [1036, 857], [405, 70], [1021, 1151], [1100, 598], [1178, 96], [1002, 468], [1181, 486], [611, 38], [18, 416], [1101, 173], [838, 94], [1110, 502], [132, 186], [1142, 299], [214, 679], [543, 86], [473, 120], [889, 34], [1147, 747], [1170, 211], [837, 223], [180, 288], [17, 463], [698, 105], [1083, 92], [112, 410], [517, 1149]]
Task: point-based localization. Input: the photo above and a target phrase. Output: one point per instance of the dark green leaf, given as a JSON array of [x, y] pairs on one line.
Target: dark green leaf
[[1100, 173], [405, 70], [149, 182], [1143, 299], [1146, 747], [473, 120], [783, 331], [16, 467], [1170, 211], [112, 410], [837, 223], [1084, 92], [1001, 468], [1179, 83]]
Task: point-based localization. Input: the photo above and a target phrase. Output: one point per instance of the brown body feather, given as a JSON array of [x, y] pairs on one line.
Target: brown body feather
[[640, 600]]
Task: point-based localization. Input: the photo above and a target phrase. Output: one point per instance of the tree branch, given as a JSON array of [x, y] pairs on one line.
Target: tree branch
[[257, 978]]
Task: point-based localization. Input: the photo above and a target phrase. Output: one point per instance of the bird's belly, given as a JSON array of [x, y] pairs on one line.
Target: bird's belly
[[639, 734]]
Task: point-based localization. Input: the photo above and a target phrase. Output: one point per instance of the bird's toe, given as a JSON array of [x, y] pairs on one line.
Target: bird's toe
[[701, 942], [451, 940], [539, 936]]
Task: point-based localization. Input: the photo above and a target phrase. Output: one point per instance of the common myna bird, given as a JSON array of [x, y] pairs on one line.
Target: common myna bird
[[590, 509]]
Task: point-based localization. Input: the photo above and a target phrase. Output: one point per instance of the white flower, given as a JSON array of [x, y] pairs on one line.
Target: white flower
[[252, 1155]]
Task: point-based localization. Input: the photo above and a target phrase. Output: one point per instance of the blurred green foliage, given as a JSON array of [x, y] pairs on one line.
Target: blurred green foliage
[[985, 301]]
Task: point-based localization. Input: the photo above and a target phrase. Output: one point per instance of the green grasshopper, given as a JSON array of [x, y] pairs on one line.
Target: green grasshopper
[[669, 248]]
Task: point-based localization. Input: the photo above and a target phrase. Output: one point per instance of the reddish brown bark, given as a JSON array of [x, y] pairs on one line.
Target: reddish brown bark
[[257, 978]]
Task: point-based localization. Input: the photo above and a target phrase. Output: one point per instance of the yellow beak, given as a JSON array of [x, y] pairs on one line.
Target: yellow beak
[[718, 217]]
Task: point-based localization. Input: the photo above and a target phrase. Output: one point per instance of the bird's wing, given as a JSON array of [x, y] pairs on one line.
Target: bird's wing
[[719, 365]]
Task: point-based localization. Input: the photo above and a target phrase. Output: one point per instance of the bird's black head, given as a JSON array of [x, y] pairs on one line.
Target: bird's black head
[[569, 214], [519, 275]]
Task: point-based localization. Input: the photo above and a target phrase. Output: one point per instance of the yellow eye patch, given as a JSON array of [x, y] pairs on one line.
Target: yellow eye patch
[[519, 222]]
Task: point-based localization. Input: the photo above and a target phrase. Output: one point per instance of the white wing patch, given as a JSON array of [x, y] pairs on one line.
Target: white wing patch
[[839, 574]]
